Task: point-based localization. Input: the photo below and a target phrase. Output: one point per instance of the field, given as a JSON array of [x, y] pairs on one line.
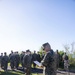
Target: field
[[21, 73], [14, 73]]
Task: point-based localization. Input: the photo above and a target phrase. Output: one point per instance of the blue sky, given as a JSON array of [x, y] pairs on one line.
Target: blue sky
[[27, 24]]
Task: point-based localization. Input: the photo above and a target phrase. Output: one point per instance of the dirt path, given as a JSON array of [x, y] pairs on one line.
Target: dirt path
[[65, 73]]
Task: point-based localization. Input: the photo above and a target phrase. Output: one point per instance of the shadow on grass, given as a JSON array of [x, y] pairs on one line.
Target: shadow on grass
[[11, 73]]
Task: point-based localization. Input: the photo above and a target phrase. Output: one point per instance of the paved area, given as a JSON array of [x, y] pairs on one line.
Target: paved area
[[65, 73]]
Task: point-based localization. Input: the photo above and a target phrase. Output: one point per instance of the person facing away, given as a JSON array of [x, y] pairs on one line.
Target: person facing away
[[34, 56], [17, 60], [11, 53], [66, 62], [57, 59], [12, 60], [5, 61], [27, 60], [21, 59], [1, 62], [38, 57], [49, 60]]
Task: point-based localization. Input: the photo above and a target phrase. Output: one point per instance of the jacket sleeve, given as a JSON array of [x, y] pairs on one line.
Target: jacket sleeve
[[46, 59]]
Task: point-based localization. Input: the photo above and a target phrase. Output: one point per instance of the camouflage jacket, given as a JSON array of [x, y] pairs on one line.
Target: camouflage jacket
[[49, 62]]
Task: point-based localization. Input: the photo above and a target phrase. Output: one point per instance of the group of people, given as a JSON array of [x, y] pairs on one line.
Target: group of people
[[49, 60]]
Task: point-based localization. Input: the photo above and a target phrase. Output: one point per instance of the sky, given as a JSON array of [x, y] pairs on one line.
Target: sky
[[27, 24]]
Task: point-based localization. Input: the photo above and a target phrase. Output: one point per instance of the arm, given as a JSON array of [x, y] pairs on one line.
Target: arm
[[46, 60]]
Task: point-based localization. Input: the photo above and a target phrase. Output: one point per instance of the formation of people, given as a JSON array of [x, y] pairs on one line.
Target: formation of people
[[49, 59]]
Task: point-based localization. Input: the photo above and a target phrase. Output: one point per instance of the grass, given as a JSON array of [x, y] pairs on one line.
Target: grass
[[11, 73], [14, 73]]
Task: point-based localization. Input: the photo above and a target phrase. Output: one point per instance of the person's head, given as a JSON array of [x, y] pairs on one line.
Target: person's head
[[11, 51], [46, 47], [17, 52], [56, 51], [5, 53], [28, 52], [34, 51], [1, 54]]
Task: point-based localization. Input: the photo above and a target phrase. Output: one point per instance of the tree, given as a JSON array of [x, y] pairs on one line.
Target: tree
[[67, 47]]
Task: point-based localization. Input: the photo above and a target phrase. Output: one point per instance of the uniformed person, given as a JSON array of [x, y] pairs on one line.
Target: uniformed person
[[17, 60], [11, 53], [57, 59], [1, 62], [66, 62], [5, 61], [49, 60], [12, 61], [38, 57], [43, 54], [21, 58], [34, 56], [27, 60]]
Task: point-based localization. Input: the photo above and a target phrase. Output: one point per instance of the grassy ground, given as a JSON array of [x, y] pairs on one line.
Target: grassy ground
[[21, 73], [14, 73], [10, 73]]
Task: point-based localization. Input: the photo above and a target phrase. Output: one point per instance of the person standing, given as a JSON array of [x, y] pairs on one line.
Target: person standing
[[43, 54], [57, 59], [12, 60], [49, 60], [66, 62], [1, 62], [17, 60], [21, 59], [5, 61], [34, 56], [38, 57], [27, 60]]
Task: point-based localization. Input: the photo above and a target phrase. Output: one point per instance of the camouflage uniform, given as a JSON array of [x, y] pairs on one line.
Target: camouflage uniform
[[38, 57], [1, 62], [57, 60], [34, 56], [27, 60], [43, 54], [12, 60], [66, 62], [5, 62], [17, 60], [50, 63], [21, 59]]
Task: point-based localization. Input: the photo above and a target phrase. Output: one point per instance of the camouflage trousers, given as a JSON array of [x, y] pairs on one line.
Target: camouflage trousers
[[28, 71], [12, 64], [66, 65], [5, 65], [50, 72]]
